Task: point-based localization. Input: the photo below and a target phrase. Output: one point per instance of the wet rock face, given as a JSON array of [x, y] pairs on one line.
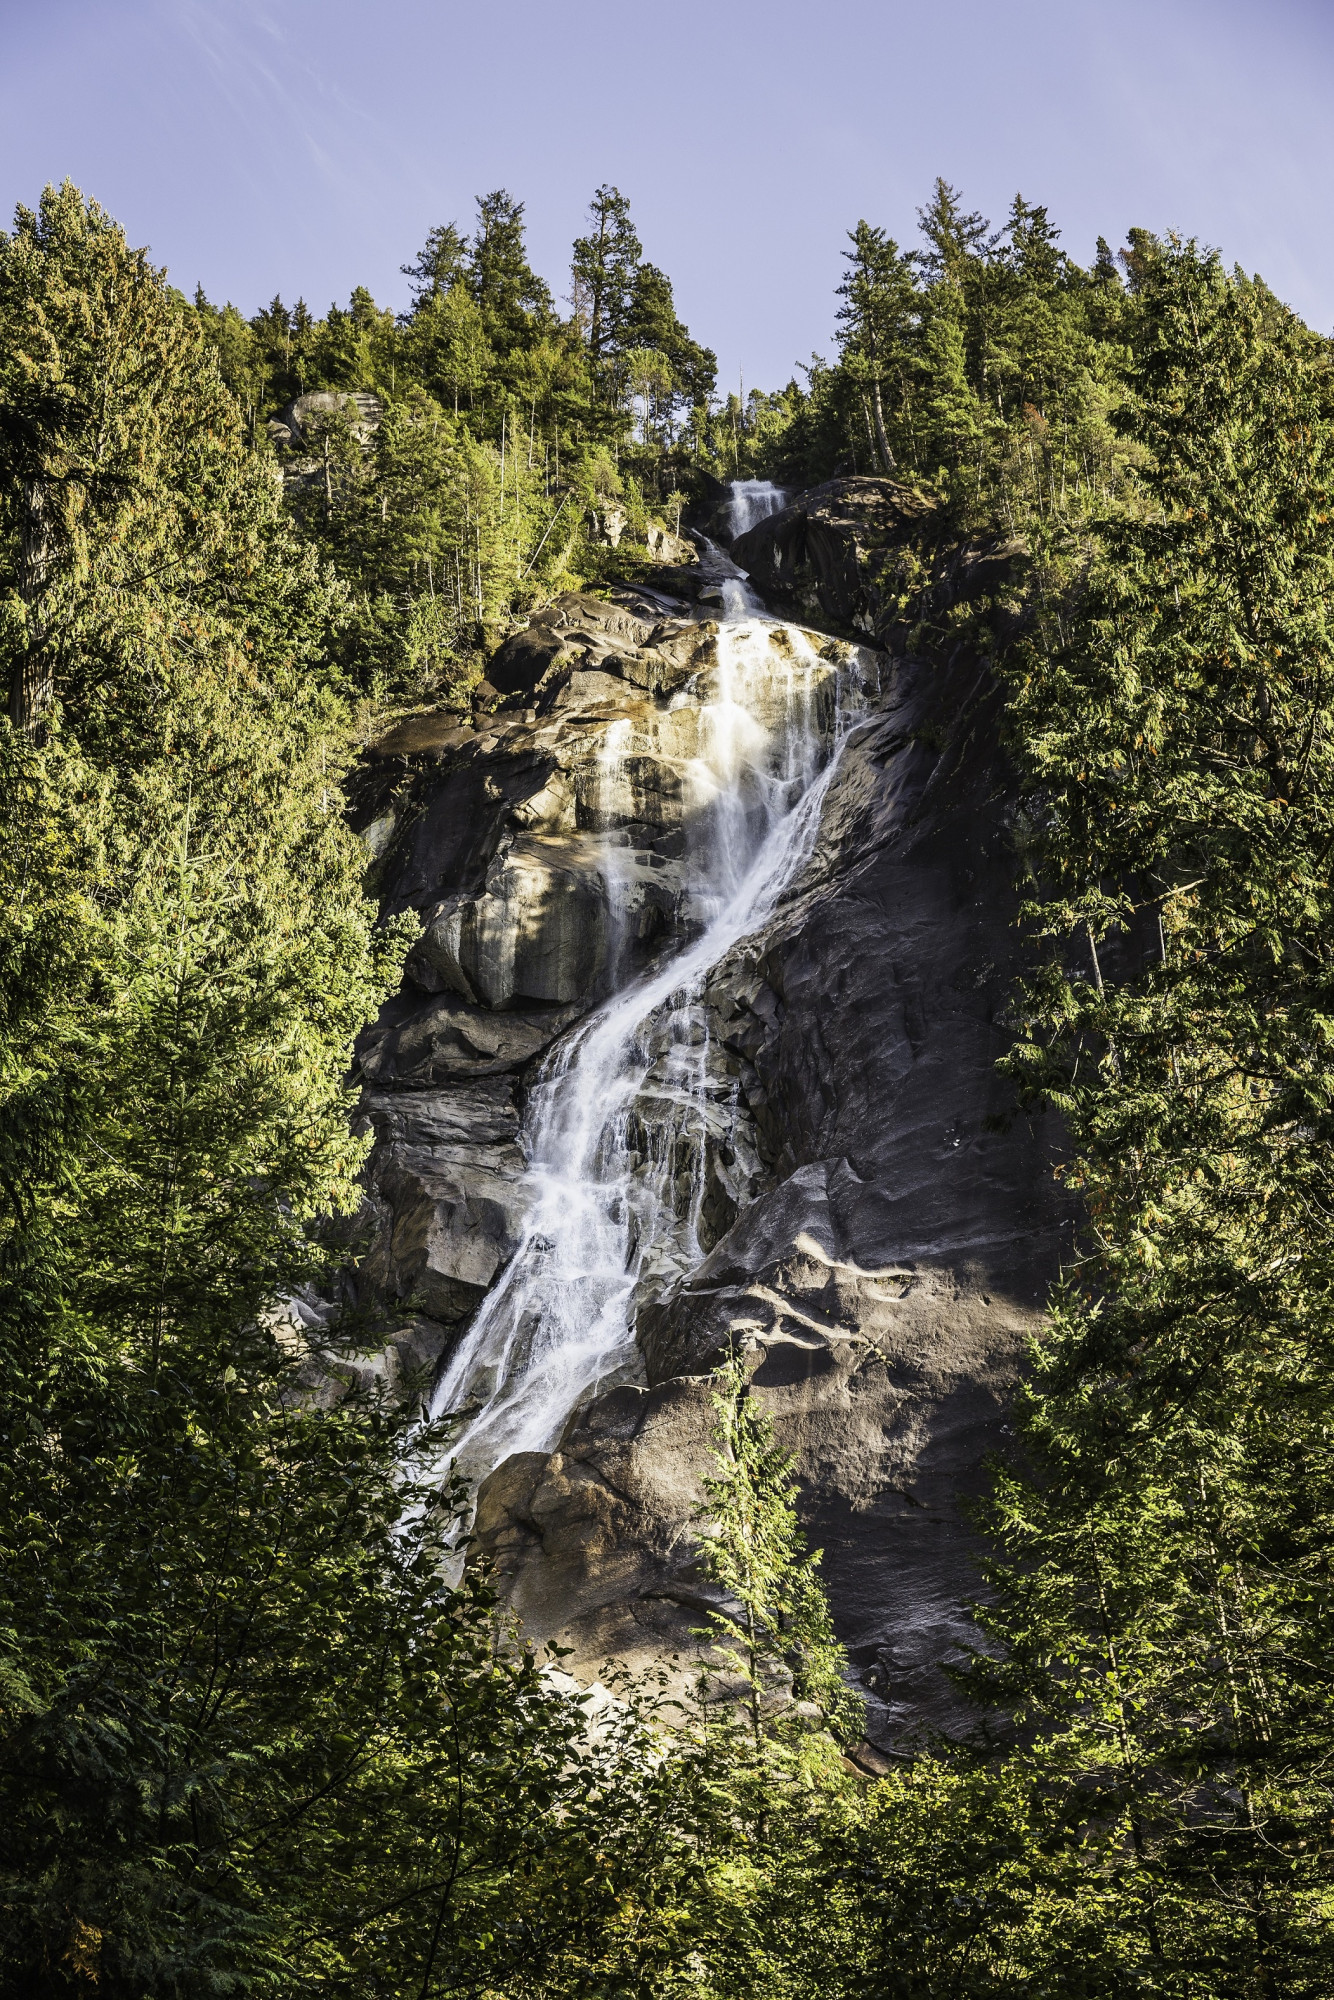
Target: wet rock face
[[890, 1272], [545, 854], [543, 850], [882, 1228]]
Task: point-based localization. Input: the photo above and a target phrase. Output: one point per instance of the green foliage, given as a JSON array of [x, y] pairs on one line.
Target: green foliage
[[984, 370], [473, 499], [780, 1633], [514, 302], [603, 270], [440, 536], [879, 316], [1166, 1609], [1154, 1815], [438, 266], [140, 536], [249, 1737]]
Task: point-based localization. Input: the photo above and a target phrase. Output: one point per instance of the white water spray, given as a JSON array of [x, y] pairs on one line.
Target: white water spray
[[753, 500], [628, 1111]]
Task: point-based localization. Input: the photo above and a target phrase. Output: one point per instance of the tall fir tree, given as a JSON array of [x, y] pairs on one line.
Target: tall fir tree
[[1167, 1606], [603, 270], [515, 303]]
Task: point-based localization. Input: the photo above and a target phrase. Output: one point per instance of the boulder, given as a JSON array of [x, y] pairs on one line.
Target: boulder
[[431, 735], [540, 932], [446, 1169], [572, 623], [419, 1043], [609, 524], [362, 409]]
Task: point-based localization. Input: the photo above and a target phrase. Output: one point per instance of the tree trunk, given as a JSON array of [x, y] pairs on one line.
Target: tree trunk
[[882, 441]]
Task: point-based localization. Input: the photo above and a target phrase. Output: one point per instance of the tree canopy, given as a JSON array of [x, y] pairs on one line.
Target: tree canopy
[[253, 1739]]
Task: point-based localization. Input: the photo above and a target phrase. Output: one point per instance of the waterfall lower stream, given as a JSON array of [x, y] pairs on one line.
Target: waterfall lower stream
[[629, 1108]]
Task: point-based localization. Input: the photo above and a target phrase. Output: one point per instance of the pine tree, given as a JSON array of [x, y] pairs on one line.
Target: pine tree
[[755, 1549], [604, 267], [445, 344], [956, 239], [1167, 1600], [121, 460], [438, 265], [879, 317], [249, 1739], [652, 322], [515, 303]]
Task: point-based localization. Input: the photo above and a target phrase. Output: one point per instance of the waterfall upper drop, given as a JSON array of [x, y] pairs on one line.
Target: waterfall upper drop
[[631, 1115], [753, 500]]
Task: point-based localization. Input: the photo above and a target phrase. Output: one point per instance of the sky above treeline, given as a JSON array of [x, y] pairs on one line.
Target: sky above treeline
[[306, 146]]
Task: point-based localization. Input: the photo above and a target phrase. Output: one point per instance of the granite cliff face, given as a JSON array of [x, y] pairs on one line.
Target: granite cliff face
[[865, 1215]]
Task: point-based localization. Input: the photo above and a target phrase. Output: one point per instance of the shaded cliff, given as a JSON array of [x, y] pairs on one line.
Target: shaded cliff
[[877, 1230], [875, 558]]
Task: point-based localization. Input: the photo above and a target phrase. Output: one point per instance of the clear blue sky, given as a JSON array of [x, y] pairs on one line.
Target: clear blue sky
[[305, 146]]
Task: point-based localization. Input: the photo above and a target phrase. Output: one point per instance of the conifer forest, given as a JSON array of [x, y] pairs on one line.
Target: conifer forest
[[275, 1719]]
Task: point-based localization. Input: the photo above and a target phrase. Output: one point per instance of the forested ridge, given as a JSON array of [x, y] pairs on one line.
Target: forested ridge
[[252, 1737]]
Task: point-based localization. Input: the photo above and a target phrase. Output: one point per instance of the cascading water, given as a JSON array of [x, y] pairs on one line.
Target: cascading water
[[620, 1124], [753, 500]]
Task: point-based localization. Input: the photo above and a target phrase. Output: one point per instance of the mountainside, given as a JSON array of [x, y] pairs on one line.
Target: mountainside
[[519, 1019], [873, 1227]]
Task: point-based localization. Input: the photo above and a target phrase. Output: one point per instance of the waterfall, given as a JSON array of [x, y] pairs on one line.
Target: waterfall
[[753, 500], [619, 1126]]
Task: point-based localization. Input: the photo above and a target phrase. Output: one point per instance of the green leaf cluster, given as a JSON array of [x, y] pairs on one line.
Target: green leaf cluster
[[984, 369], [1165, 1575]]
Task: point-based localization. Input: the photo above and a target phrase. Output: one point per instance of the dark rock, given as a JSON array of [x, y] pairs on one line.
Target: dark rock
[[593, 1536], [711, 514], [428, 735], [444, 1038], [523, 660], [446, 1169], [869, 556], [880, 1227], [886, 1284]]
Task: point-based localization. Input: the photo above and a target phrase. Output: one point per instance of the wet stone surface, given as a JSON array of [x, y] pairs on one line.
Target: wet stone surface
[[800, 1146]]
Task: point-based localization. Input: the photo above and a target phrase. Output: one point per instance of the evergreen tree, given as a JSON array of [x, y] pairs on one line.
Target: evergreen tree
[[438, 265], [652, 322], [249, 1740], [515, 303], [446, 347], [781, 1629], [130, 505], [356, 346], [1167, 1600], [879, 318], [603, 271], [956, 240]]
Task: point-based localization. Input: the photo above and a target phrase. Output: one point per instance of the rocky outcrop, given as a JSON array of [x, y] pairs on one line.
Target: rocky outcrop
[[890, 1273], [871, 557], [543, 854], [884, 1228], [299, 424]]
